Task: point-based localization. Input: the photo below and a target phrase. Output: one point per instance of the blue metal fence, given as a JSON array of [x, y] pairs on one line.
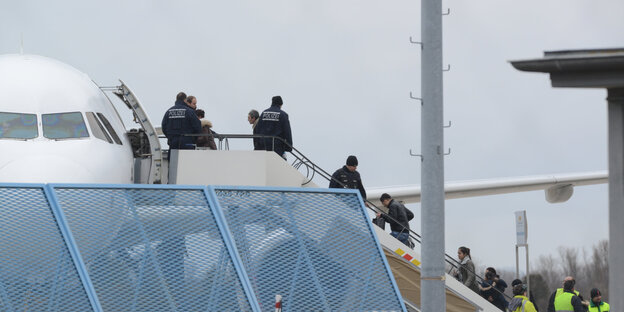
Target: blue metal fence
[[153, 249], [314, 248], [37, 272], [185, 248]]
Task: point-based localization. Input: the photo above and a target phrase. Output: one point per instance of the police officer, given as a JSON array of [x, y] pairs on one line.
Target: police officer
[[178, 121], [348, 177], [274, 122]]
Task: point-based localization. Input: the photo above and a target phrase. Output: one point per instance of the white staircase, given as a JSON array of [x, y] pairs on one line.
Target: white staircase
[[262, 168], [405, 265]]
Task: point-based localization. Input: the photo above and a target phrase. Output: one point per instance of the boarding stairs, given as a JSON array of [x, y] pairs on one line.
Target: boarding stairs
[[223, 167], [146, 145], [405, 265], [264, 168]]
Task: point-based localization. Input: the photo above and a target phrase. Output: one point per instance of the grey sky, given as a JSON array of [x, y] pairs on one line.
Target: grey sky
[[345, 70]]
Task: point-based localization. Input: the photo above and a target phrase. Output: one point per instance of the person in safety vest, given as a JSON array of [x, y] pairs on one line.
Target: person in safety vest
[[566, 300], [596, 304], [559, 291], [530, 294], [520, 302]]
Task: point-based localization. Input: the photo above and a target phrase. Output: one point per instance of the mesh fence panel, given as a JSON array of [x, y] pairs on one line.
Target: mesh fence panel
[[314, 249], [160, 249], [152, 249], [36, 270]]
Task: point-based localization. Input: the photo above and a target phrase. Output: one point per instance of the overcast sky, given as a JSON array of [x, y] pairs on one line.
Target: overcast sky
[[345, 70]]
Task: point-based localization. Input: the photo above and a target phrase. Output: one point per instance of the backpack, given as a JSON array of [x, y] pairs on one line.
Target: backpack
[[408, 213]]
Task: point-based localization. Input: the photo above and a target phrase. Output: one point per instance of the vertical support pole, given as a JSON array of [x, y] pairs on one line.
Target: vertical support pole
[[72, 247], [615, 101], [432, 294], [517, 264], [528, 273]]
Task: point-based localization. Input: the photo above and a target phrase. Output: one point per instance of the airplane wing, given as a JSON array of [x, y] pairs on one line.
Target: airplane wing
[[558, 187]]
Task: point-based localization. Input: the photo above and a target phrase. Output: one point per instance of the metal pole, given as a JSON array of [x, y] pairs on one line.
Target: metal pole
[[517, 263], [528, 274], [432, 292], [615, 101]]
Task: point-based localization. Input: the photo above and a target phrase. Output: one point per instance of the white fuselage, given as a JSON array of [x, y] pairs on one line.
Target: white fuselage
[[53, 126]]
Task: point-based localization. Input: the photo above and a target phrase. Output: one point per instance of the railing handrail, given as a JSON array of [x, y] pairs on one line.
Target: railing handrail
[[300, 158], [304, 160]]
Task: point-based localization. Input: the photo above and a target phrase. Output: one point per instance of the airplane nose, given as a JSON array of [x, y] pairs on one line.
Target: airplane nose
[[45, 169]]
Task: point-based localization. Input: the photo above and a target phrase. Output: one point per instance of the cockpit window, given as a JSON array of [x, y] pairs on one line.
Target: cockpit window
[[18, 126], [64, 126], [97, 129], [110, 128]]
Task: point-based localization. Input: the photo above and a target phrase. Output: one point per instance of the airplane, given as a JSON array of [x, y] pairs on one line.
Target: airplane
[[58, 126], [558, 188]]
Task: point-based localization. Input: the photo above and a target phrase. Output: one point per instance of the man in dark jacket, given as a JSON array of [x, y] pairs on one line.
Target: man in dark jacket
[[179, 120], [397, 217], [253, 118], [499, 297], [566, 298], [274, 122], [348, 177]]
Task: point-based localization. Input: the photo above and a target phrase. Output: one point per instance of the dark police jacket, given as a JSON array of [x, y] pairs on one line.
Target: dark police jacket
[[398, 221], [274, 121], [178, 120], [350, 180]]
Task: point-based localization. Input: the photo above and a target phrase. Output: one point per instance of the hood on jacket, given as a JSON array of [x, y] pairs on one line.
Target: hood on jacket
[[205, 123], [515, 303]]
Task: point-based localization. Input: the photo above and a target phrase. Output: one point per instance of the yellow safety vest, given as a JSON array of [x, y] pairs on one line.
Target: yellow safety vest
[[563, 302], [603, 307], [527, 306], [560, 291]]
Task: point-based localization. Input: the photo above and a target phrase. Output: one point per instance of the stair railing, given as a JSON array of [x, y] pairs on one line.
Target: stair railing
[[312, 169]]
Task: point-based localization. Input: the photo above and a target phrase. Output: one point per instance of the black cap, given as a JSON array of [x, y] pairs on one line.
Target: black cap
[[516, 282], [277, 100], [594, 293], [352, 161]]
